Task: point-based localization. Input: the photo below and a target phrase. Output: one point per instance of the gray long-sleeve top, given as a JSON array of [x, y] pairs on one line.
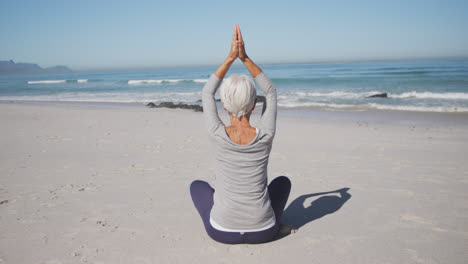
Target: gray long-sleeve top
[[241, 200]]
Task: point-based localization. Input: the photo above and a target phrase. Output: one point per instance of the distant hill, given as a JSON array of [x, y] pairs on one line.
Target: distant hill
[[10, 67]]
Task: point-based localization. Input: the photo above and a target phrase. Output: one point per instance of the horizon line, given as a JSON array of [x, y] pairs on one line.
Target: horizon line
[[325, 61], [285, 62]]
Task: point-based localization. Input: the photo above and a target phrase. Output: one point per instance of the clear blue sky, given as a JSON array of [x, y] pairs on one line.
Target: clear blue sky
[[128, 34]]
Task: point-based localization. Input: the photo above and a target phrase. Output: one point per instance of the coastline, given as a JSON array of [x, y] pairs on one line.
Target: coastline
[[109, 183], [369, 115]]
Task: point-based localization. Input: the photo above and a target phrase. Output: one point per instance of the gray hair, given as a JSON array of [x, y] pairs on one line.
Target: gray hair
[[238, 94]]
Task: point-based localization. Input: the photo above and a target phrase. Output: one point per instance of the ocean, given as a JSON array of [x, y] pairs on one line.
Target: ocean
[[424, 86]]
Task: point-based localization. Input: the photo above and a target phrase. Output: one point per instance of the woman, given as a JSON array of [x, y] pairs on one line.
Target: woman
[[243, 209]]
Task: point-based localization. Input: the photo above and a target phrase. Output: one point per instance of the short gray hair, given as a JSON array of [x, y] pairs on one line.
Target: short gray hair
[[238, 94]]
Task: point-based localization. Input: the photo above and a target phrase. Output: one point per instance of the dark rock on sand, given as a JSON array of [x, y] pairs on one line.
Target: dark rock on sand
[[260, 99], [196, 108], [381, 95], [216, 100]]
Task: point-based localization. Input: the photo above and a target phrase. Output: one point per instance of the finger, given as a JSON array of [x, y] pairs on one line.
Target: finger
[[234, 35], [239, 34]]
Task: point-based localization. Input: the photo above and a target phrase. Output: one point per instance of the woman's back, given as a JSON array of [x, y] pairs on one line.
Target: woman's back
[[241, 200]]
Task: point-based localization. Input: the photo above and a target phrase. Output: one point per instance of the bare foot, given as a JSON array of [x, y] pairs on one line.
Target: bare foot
[[285, 230]]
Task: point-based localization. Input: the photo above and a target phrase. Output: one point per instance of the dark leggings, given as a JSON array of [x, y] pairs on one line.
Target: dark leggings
[[202, 196]]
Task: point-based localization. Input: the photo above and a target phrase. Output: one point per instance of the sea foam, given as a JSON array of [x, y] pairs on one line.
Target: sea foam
[[133, 82], [47, 81], [370, 106], [336, 94], [440, 109], [413, 94], [117, 97], [430, 95], [159, 81], [59, 81]]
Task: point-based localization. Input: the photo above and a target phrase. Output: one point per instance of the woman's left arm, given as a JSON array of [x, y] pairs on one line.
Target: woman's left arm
[[209, 104], [224, 68], [233, 54]]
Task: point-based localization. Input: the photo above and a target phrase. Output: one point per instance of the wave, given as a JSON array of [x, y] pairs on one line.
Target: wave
[[315, 104], [133, 82], [58, 81], [111, 97], [407, 95], [374, 106], [337, 94], [430, 95], [159, 81], [47, 81], [440, 109]]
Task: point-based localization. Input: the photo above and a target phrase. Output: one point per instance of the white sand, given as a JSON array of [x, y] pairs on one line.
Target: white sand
[[110, 185]]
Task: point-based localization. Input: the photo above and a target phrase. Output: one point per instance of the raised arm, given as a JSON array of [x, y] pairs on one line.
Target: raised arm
[[251, 66], [270, 108], [210, 111], [233, 55]]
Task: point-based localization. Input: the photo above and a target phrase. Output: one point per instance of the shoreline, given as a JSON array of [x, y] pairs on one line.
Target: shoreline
[[370, 115], [370, 106]]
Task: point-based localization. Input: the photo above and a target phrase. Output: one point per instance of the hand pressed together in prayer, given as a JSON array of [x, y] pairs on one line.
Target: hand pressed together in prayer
[[237, 45]]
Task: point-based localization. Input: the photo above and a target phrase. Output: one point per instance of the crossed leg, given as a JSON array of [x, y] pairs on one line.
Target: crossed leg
[[202, 196]]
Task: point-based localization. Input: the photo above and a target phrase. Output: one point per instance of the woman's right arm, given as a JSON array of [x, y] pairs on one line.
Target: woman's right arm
[[210, 111], [269, 115], [251, 66]]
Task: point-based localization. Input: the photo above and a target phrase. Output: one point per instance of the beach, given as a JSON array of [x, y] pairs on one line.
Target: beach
[[84, 183]]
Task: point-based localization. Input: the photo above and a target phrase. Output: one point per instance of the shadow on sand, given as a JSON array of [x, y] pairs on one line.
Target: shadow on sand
[[297, 214]]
